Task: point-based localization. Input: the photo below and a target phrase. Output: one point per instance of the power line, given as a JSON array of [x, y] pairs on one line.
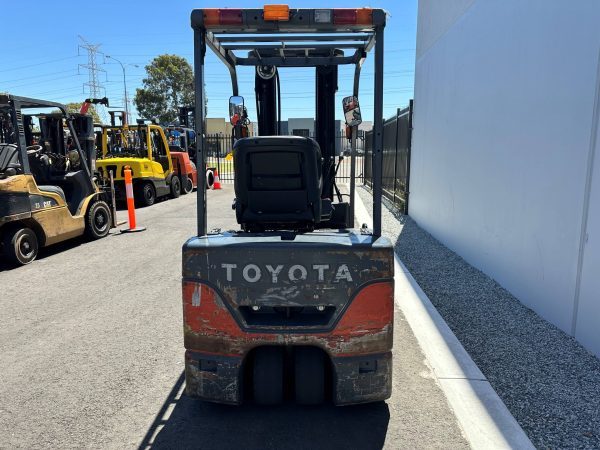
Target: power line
[[34, 83], [38, 64], [36, 76], [53, 91]]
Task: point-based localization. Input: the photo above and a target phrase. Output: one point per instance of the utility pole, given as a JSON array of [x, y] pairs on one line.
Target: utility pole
[[124, 84], [95, 88]]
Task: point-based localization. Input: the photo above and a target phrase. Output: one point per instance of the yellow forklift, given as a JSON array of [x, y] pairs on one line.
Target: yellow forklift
[[48, 192], [145, 149]]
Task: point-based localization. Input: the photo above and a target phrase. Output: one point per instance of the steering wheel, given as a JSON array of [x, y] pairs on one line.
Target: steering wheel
[[34, 149]]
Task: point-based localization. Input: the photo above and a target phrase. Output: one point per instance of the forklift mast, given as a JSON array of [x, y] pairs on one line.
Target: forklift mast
[[325, 133], [84, 129], [266, 86], [118, 115], [186, 116]]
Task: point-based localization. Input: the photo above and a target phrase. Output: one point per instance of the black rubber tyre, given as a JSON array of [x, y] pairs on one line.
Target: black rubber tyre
[[98, 220], [210, 179], [187, 185], [268, 376], [175, 187], [20, 245], [309, 375], [147, 194]]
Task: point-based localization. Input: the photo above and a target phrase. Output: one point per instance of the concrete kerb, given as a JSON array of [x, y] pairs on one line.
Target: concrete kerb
[[481, 414]]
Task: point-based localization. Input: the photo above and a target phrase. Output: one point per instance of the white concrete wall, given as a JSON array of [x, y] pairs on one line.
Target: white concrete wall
[[587, 319], [505, 98]]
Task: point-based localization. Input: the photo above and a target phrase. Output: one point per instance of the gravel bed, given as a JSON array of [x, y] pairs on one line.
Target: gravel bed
[[548, 381]]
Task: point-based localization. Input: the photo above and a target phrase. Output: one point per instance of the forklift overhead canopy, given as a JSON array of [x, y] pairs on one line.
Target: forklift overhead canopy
[[25, 102], [14, 106], [282, 37], [309, 38]]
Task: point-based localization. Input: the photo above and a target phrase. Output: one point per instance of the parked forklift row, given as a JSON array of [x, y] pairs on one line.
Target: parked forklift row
[[61, 174]]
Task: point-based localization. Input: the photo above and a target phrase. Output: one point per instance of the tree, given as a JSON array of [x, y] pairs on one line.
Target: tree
[[76, 107], [168, 85]]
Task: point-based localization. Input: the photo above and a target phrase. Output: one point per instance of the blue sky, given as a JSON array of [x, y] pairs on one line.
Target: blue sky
[[41, 55]]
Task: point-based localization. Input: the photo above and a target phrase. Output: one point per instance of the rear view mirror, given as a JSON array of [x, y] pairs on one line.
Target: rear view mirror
[[352, 111], [236, 108]]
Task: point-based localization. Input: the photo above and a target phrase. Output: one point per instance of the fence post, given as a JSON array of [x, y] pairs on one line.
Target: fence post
[[408, 155], [396, 156], [219, 152], [366, 155]]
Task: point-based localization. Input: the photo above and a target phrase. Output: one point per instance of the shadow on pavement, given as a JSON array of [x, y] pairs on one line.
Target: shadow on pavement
[[45, 252], [185, 422], [54, 249]]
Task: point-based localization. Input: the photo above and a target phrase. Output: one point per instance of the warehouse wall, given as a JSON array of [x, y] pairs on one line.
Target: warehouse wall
[[502, 170]]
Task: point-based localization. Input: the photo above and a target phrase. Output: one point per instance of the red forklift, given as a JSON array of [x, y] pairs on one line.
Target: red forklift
[[297, 304], [181, 141]]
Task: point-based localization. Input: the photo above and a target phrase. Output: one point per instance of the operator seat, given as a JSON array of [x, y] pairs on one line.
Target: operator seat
[[277, 183], [9, 157]]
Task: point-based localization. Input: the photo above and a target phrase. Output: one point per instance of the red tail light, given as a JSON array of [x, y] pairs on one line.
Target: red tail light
[[214, 17], [362, 16]]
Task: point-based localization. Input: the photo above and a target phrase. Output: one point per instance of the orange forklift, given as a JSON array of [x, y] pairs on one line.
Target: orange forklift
[[296, 304], [181, 140]]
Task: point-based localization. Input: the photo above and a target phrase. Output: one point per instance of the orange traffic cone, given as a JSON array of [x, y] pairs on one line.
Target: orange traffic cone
[[130, 202], [217, 183]]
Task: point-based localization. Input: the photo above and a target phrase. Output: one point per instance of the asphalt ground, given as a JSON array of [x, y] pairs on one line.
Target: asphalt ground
[[548, 381], [91, 356]]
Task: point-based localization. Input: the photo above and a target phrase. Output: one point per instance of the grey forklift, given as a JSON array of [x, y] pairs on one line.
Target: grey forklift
[[297, 304]]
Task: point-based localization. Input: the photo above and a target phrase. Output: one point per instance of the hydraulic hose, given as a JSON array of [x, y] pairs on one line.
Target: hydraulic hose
[[278, 102]]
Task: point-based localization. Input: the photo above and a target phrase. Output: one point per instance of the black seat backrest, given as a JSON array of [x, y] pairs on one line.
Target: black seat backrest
[[278, 182], [9, 156]]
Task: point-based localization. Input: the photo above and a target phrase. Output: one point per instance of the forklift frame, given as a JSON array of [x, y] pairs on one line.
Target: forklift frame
[[294, 40]]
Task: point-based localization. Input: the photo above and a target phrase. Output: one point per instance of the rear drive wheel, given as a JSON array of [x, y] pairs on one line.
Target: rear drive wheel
[[147, 195], [175, 187], [187, 185], [20, 245], [268, 376], [98, 220], [309, 375]]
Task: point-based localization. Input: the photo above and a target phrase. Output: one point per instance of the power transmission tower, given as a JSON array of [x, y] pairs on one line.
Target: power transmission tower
[[94, 87]]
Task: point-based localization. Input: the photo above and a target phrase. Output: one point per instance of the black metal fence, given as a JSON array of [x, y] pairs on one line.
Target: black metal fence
[[219, 156], [397, 136]]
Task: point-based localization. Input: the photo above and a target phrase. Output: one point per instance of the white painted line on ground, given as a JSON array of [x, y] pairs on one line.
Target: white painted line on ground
[[482, 415]]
